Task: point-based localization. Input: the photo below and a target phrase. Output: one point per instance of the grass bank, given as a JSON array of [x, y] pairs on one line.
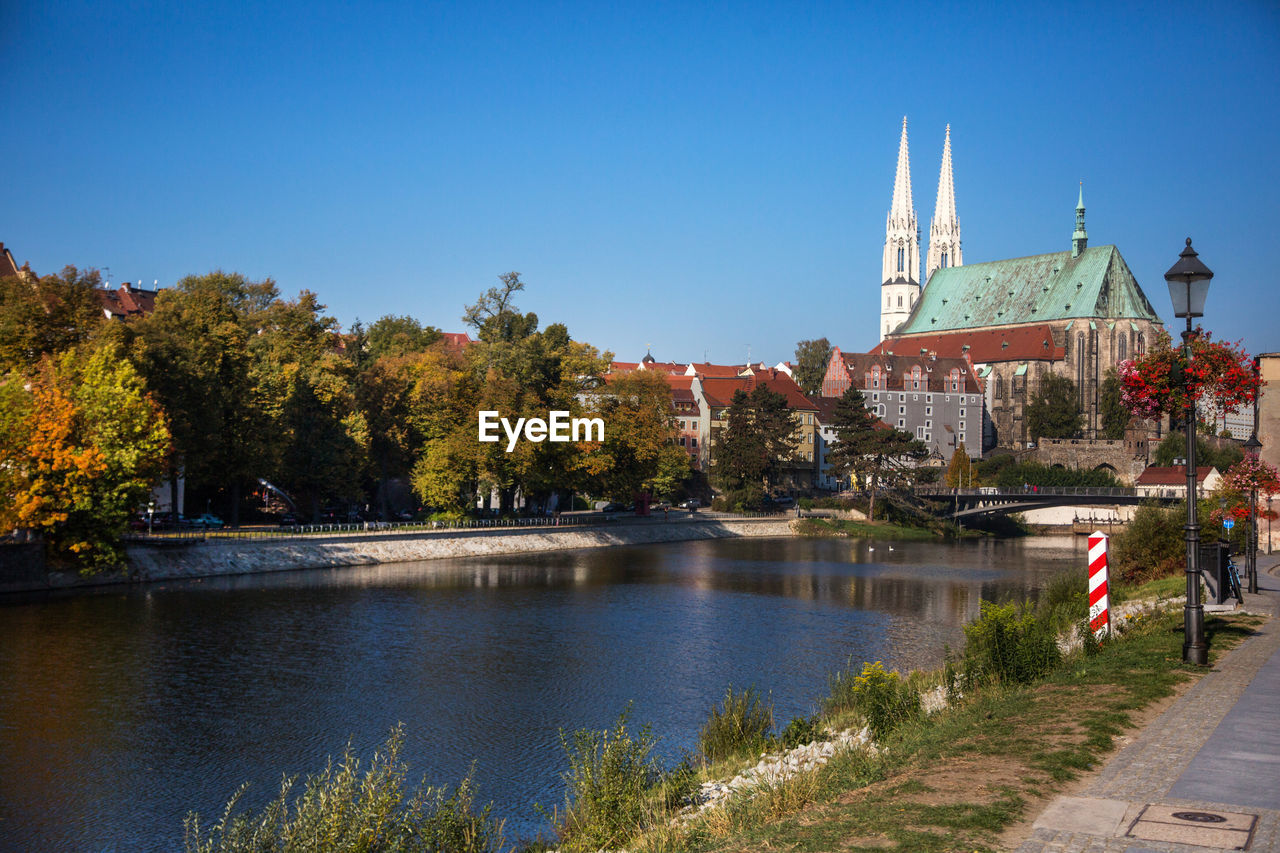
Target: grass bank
[[1023, 720], [854, 529]]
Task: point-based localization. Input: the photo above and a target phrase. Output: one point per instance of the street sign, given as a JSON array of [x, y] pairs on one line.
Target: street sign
[[1228, 523]]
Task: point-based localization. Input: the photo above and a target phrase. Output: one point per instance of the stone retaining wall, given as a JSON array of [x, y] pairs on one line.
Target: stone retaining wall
[[251, 556]]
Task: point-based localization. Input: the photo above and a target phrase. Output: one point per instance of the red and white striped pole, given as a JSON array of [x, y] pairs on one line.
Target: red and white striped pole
[[1099, 607]]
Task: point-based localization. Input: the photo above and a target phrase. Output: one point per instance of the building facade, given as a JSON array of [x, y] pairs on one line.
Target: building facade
[[936, 399]]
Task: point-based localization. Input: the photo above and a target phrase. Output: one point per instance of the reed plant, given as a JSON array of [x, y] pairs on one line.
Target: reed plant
[[741, 725], [344, 809], [613, 786]]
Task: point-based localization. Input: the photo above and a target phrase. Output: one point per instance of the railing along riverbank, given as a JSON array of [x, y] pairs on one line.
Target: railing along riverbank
[[396, 529]]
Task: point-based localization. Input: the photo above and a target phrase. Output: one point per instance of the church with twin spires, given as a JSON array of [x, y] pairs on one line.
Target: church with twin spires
[[901, 267], [1075, 313]]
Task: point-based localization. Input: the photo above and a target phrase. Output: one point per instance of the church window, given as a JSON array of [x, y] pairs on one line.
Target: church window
[[887, 304], [901, 258], [1122, 347], [999, 387], [1080, 366], [944, 261], [913, 300], [899, 300], [1142, 343]]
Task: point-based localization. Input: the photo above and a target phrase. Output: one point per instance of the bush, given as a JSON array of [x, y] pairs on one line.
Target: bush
[[610, 781], [1152, 545], [1032, 473], [1065, 601], [746, 499], [799, 731], [342, 809], [1008, 643], [882, 698], [742, 725]]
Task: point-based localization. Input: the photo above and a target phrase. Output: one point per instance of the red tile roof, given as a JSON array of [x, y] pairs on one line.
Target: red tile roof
[[457, 340], [719, 390], [1004, 343], [7, 265], [1171, 476], [127, 301]]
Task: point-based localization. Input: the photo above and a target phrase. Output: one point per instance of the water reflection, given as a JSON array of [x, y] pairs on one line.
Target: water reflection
[[119, 711]]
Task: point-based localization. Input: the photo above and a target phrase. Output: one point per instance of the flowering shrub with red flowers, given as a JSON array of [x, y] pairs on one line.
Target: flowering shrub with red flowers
[[1249, 473], [1152, 384]]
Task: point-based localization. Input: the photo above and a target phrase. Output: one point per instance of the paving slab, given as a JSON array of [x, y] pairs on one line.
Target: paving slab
[[1214, 750]]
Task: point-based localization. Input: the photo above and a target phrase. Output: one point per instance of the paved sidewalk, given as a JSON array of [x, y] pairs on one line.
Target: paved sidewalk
[[1205, 775]]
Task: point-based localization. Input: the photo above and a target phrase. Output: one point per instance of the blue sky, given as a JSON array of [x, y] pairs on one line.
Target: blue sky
[[702, 177]]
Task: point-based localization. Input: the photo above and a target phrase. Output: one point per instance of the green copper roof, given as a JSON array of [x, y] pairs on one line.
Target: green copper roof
[[1041, 288]]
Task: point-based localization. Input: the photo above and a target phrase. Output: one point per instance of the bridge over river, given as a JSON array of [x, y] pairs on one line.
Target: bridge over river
[[992, 500]]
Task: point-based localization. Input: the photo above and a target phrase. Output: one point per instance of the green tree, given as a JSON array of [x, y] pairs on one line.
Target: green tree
[[758, 438], [869, 451], [1220, 455], [196, 352], [811, 364], [398, 336], [1054, 410], [47, 315], [960, 471], [1115, 417]]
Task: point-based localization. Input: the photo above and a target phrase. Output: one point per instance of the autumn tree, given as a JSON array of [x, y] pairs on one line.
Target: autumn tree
[[960, 471], [81, 443], [811, 364], [639, 452]]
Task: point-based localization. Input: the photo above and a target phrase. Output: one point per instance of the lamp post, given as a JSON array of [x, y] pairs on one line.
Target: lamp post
[[1251, 447], [1188, 287]]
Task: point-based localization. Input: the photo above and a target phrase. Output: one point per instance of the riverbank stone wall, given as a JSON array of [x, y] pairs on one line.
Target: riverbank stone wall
[[215, 557]]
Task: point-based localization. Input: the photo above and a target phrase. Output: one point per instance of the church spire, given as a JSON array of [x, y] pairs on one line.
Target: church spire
[[900, 282], [1080, 239], [944, 230], [902, 207]]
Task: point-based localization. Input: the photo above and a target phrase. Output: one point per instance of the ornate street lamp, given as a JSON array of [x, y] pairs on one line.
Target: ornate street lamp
[[1251, 447], [1188, 287]]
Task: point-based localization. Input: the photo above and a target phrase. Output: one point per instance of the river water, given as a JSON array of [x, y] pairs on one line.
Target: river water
[[123, 710]]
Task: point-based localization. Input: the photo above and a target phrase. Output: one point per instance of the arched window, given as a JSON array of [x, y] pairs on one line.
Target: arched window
[[1122, 347], [944, 261], [915, 378], [887, 303], [1080, 366], [899, 300], [999, 395], [901, 258], [1142, 343]]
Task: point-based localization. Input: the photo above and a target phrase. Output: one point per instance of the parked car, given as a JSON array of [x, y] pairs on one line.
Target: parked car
[[691, 503], [206, 520], [613, 506], [784, 501]]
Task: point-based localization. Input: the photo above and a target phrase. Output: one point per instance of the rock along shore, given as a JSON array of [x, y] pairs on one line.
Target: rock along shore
[[216, 556]]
